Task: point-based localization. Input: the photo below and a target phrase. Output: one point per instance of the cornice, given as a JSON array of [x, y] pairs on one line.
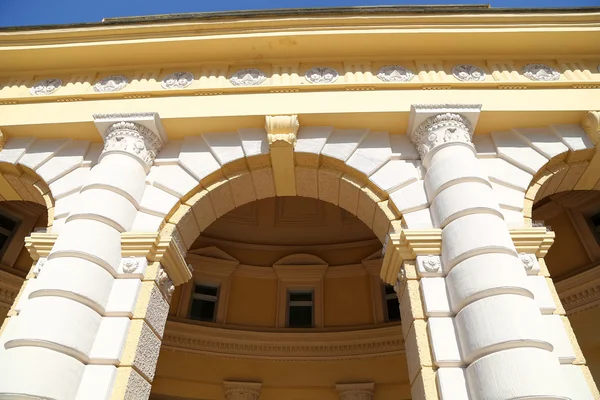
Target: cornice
[[580, 292], [283, 345], [410, 243]]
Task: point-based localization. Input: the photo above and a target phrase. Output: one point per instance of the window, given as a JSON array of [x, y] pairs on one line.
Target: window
[[8, 227], [300, 309], [204, 303], [391, 304], [595, 224]]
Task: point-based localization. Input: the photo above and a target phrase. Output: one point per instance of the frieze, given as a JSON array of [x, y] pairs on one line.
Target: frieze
[[321, 75], [468, 73], [177, 80], [540, 72], [112, 83], [46, 87], [395, 73], [248, 77]]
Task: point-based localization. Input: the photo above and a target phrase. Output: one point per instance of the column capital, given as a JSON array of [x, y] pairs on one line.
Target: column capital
[[137, 134], [591, 126], [431, 126], [356, 391], [282, 129], [242, 390]]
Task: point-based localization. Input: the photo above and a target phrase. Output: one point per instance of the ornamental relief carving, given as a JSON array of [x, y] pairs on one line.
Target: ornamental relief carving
[[134, 139], [46, 87], [177, 80], [248, 77], [321, 75], [240, 393], [165, 284], [395, 73], [432, 263], [540, 72], [111, 83], [468, 73], [441, 128], [527, 260], [356, 394]]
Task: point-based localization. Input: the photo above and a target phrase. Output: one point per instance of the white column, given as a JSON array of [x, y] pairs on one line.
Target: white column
[[65, 330], [500, 341], [356, 391]]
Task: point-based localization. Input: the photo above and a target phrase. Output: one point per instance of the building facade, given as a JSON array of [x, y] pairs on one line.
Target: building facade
[[358, 204]]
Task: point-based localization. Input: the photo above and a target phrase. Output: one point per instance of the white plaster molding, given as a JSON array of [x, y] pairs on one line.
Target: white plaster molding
[[242, 390], [165, 283], [356, 391], [580, 292], [272, 345], [248, 77], [112, 83], [46, 87], [321, 75], [177, 80], [429, 265], [138, 134], [431, 126], [468, 73], [38, 266], [530, 263], [133, 266], [395, 73], [540, 72]]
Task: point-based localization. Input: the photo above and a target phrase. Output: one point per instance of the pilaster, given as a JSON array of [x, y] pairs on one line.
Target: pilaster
[[281, 132]]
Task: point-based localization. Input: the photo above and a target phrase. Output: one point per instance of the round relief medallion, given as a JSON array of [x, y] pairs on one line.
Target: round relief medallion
[[248, 77], [540, 72], [468, 73], [394, 73], [45, 87], [111, 83], [321, 75], [177, 80]]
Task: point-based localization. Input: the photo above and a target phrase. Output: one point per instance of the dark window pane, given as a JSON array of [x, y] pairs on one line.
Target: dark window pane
[[209, 290], [301, 317], [3, 239], [7, 223], [300, 296], [389, 289], [203, 310], [595, 220], [393, 310]]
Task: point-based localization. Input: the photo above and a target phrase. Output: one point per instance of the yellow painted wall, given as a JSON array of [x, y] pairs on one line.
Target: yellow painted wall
[[567, 253], [348, 301], [586, 325], [252, 302]]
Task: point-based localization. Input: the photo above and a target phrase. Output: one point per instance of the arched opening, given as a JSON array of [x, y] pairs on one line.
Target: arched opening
[[283, 287]]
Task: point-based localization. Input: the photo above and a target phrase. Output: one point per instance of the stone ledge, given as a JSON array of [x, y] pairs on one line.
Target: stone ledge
[[279, 344]]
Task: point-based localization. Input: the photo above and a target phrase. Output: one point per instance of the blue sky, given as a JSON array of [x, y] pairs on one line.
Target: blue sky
[[42, 12]]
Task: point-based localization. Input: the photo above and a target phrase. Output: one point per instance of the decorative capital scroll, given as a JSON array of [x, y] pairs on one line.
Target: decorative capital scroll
[[138, 134], [242, 390], [591, 126], [431, 126], [356, 391], [282, 130]]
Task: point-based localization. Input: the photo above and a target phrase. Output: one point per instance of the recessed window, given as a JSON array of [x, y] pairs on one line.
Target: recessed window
[[391, 304], [300, 309], [8, 227], [204, 303], [595, 224]]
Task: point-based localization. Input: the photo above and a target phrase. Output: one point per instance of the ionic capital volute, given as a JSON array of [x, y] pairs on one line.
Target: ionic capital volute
[[591, 126], [140, 135], [434, 126], [356, 391], [282, 130]]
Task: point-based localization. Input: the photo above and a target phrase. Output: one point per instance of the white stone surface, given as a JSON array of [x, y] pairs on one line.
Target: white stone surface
[[544, 141], [107, 206], [97, 382], [133, 267], [420, 219], [371, 153], [541, 293], [71, 331], [196, 158], [70, 183], [14, 149], [254, 141], [484, 145], [452, 384], [430, 265], [312, 139], [40, 151], [493, 324], [24, 298], [121, 302], [463, 199], [172, 179], [411, 197], [145, 222], [466, 236], [573, 136], [577, 385], [521, 373], [110, 340], [509, 198], [109, 174], [444, 343], [530, 263], [226, 147], [485, 275], [515, 149], [435, 297], [395, 174], [169, 154], [402, 148], [64, 161], [156, 201], [64, 205], [448, 171], [557, 336], [343, 142], [59, 382], [502, 171]]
